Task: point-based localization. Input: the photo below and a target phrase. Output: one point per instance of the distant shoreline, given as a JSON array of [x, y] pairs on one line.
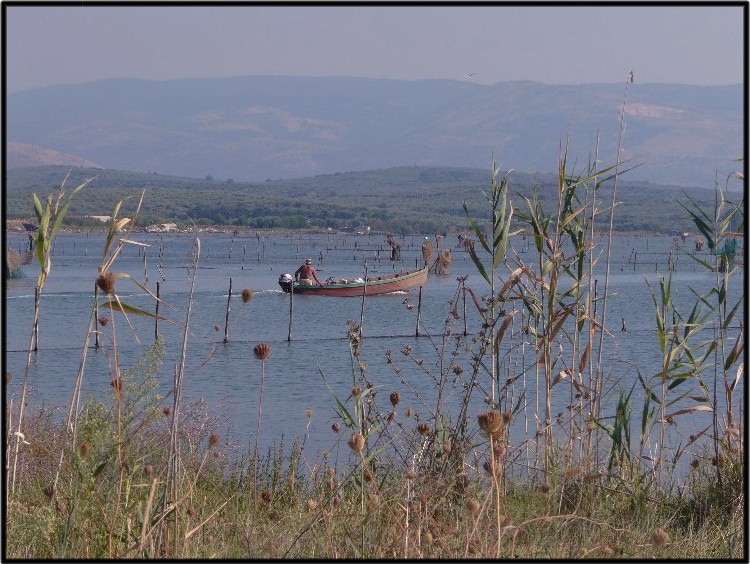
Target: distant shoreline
[[16, 226]]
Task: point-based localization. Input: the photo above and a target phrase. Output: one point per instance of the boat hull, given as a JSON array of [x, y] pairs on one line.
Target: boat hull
[[401, 282]]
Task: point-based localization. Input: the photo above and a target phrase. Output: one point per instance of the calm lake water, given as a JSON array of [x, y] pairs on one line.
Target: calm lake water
[[297, 402]]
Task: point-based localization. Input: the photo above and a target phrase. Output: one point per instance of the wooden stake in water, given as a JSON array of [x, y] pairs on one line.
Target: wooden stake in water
[[244, 250], [96, 314], [156, 318], [226, 319], [362, 311], [419, 312], [291, 310], [463, 286]]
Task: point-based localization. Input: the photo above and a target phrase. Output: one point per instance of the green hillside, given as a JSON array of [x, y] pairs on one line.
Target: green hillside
[[401, 200]]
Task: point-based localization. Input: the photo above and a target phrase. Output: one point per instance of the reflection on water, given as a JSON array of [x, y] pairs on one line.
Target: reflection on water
[[227, 376]]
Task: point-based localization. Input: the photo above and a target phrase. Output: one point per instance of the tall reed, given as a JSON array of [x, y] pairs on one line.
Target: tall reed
[[719, 227], [49, 221]]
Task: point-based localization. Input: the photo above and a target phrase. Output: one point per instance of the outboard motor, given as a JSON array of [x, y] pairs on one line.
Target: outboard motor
[[285, 281]]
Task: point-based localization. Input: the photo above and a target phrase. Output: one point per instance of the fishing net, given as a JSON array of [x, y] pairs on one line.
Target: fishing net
[[427, 251]]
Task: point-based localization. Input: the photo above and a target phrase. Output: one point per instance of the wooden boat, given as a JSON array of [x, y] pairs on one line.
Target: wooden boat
[[373, 286]]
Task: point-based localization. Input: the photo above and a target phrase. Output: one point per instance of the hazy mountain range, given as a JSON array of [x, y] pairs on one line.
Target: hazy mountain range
[[256, 128]]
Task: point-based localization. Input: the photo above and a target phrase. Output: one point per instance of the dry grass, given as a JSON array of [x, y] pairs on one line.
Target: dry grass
[[405, 514]]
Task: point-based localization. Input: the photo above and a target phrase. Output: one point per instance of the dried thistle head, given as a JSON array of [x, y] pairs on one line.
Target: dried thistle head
[[462, 480], [262, 351], [117, 385], [84, 449], [411, 474], [718, 461], [473, 506], [660, 537], [213, 439], [106, 282], [423, 428], [266, 496], [491, 422], [357, 442], [103, 321], [356, 390], [374, 502], [336, 427], [247, 295], [395, 398]]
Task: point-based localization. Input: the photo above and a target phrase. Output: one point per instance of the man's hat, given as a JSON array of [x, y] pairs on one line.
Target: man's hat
[[308, 261]]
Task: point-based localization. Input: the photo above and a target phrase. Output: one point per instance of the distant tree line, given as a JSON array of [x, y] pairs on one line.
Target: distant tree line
[[402, 200]]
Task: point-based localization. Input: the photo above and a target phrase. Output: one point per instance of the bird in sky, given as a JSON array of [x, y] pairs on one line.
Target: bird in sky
[[469, 76]]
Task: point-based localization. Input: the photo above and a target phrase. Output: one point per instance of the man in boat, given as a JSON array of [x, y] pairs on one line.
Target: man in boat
[[306, 274]]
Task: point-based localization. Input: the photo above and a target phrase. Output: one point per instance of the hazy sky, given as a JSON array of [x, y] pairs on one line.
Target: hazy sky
[[559, 45]]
